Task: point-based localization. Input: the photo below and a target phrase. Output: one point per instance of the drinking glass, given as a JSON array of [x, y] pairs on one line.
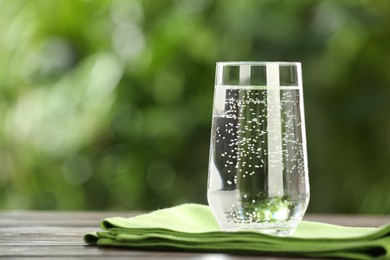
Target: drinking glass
[[258, 175]]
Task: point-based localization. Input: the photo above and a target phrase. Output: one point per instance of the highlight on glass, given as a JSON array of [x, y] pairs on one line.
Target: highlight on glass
[[258, 175]]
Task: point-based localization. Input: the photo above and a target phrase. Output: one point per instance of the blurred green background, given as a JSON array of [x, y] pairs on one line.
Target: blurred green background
[[106, 105]]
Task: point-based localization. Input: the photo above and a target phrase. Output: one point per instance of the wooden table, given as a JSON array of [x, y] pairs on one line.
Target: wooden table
[[39, 234]]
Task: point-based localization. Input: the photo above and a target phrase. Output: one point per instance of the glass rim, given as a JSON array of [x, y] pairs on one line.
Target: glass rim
[[258, 63]]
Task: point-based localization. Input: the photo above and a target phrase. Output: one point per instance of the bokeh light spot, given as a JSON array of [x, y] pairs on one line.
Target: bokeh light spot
[[160, 176], [77, 169]]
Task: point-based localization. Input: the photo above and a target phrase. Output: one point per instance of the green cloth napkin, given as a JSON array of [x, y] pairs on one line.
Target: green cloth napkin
[[191, 227]]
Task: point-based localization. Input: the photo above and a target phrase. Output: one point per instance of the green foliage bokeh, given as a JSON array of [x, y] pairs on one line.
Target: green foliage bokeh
[[107, 104]]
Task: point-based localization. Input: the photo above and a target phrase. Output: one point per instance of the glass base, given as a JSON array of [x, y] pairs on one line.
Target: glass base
[[261, 228]]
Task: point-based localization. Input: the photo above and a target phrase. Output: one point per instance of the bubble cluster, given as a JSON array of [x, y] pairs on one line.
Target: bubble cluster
[[256, 137]]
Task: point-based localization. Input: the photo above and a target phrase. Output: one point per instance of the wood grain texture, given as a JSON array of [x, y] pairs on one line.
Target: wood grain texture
[[42, 234]]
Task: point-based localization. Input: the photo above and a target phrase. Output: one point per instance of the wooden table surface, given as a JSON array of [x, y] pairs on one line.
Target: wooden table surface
[[43, 234]]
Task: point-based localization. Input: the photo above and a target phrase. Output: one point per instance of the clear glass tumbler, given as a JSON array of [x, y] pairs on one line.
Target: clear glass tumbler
[[258, 176]]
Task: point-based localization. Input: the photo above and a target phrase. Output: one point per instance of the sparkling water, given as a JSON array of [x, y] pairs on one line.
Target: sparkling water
[[258, 170]]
